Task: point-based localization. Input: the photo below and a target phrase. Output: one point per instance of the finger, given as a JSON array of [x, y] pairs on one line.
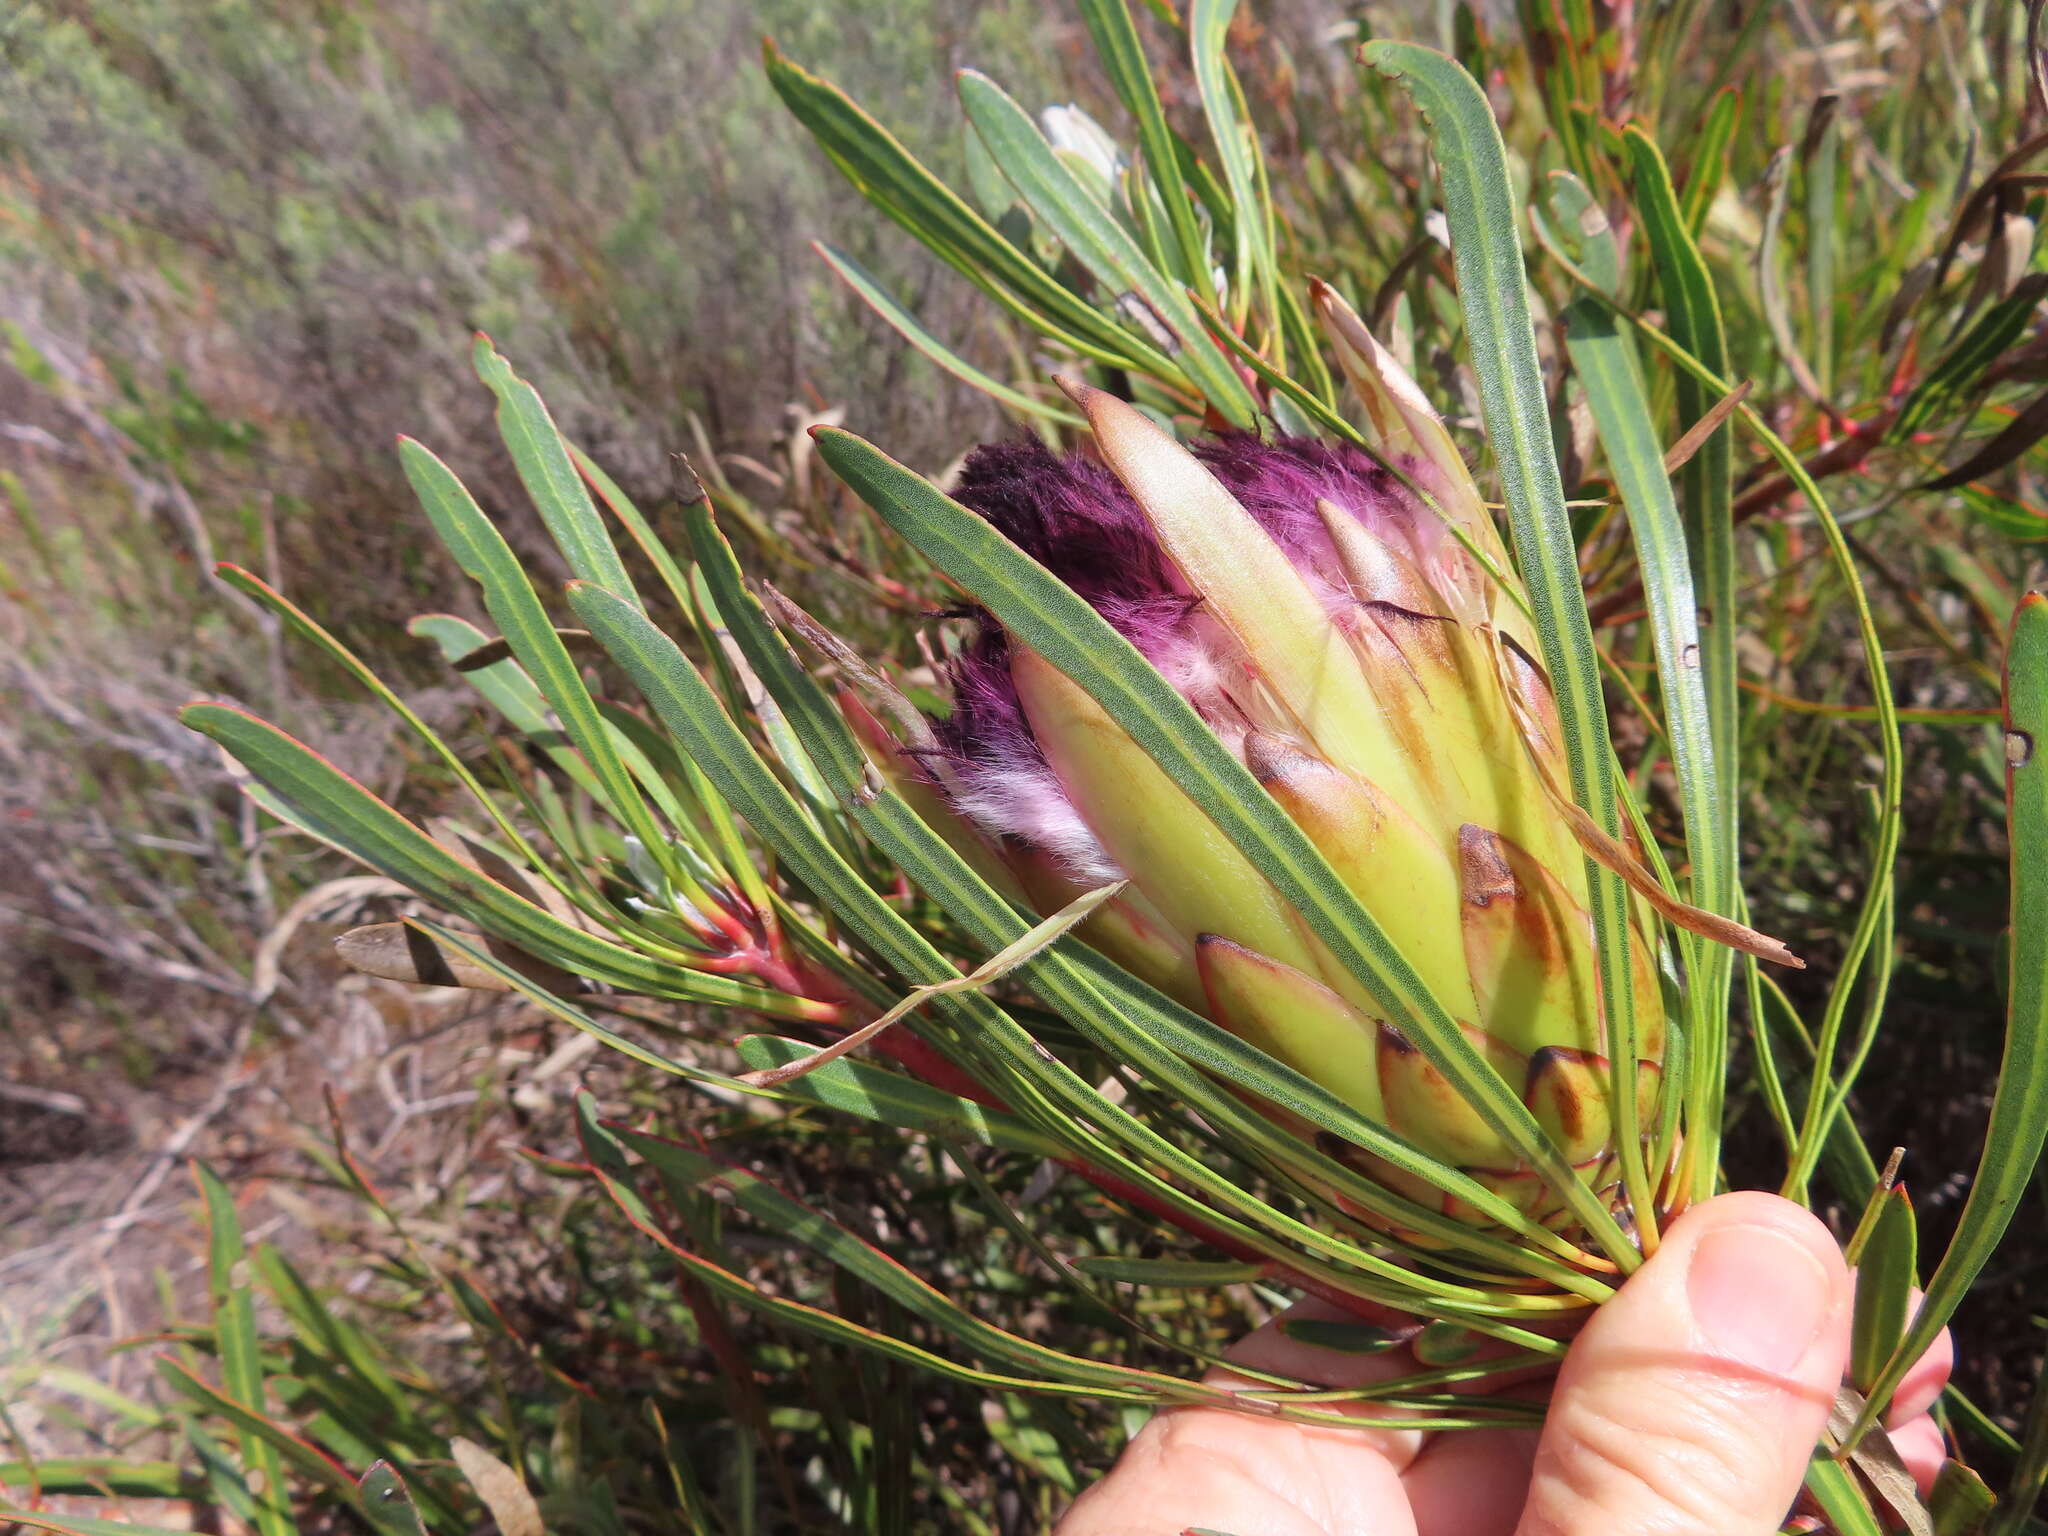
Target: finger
[[1691, 1402], [1921, 1385], [1472, 1482], [1922, 1449], [1215, 1469], [1275, 1351], [1285, 1348]]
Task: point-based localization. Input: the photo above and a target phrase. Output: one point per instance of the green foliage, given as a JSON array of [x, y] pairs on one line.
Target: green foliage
[[626, 1392]]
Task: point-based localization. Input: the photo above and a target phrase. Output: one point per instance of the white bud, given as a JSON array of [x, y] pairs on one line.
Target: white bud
[[1070, 129]]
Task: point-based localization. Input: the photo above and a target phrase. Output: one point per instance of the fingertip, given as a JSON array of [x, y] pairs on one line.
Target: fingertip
[[1922, 1449], [1694, 1398], [1757, 1210], [1922, 1384], [1473, 1482], [1766, 1286]]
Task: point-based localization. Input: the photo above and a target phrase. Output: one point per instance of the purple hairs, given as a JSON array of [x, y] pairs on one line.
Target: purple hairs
[[1076, 519]]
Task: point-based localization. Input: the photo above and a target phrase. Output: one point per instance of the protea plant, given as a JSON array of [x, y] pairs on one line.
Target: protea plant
[[1269, 863], [1331, 630]]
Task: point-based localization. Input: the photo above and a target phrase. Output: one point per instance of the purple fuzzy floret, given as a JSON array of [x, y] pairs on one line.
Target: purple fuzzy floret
[[1076, 519], [1279, 483]]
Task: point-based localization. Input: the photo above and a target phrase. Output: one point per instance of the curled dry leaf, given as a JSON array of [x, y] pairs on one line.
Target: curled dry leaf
[[400, 952], [504, 1494]]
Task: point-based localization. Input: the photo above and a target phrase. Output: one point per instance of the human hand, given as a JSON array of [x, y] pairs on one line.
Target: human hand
[[1688, 1406]]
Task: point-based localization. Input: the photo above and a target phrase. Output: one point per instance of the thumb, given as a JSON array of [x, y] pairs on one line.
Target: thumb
[[1693, 1400]]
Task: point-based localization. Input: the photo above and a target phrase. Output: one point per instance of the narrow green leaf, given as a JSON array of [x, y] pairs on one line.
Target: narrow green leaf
[[87, 1388], [241, 1350], [2019, 1106], [1575, 224], [480, 549], [853, 1087], [83, 1525], [1710, 159], [340, 810], [1169, 1273], [892, 179], [1820, 161], [1253, 270], [2008, 518], [305, 1459], [641, 749], [1098, 242], [505, 686], [1885, 1277], [637, 527], [226, 1483], [1605, 362], [1693, 313], [330, 1334], [1842, 1502], [1315, 408], [725, 841], [356, 667], [1957, 1405], [994, 196], [549, 475], [830, 750], [98, 1475], [733, 617], [912, 330], [1301, 335], [1122, 57]]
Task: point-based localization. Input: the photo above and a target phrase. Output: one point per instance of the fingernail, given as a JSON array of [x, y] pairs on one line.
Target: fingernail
[[1757, 1296]]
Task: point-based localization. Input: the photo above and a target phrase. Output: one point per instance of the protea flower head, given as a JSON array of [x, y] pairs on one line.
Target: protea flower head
[[1331, 626]]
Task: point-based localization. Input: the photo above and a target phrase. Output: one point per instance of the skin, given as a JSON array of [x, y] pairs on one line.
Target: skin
[[1686, 1407]]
